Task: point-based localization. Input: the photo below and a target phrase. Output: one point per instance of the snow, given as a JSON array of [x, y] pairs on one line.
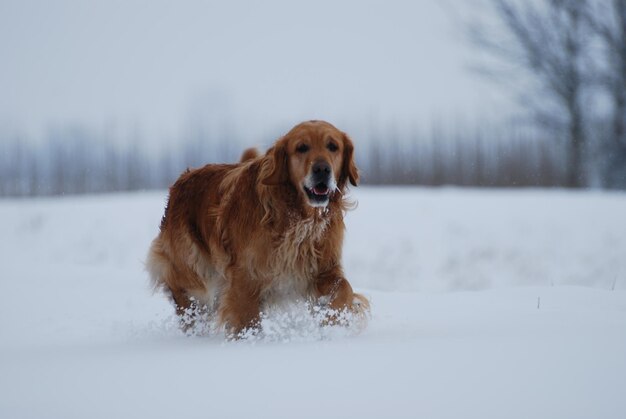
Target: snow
[[485, 304]]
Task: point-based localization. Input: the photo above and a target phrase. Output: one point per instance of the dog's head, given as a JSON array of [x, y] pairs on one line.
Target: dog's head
[[316, 158]]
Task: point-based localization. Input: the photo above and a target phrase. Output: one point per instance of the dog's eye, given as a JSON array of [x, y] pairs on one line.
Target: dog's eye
[[302, 148], [332, 147]]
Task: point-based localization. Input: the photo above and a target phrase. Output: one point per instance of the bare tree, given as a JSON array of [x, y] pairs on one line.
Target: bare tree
[[607, 20], [548, 41]]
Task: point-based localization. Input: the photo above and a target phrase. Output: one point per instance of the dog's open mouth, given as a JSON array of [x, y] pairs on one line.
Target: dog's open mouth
[[319, 193]]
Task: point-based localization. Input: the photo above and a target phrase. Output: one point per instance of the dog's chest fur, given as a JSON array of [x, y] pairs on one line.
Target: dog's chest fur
[[297, 252], [294, 261]]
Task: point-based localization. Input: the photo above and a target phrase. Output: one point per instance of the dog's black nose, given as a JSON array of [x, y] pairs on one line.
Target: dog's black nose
[[321, 168]]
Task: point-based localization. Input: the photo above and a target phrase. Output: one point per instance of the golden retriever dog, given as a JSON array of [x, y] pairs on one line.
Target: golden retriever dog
[[238, 237]]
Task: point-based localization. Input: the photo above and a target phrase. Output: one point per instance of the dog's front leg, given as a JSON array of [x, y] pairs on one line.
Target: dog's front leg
[[336, 292], [240, 303]]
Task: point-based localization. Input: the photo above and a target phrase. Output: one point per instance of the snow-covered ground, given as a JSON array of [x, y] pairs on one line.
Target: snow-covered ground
[[486, 304]]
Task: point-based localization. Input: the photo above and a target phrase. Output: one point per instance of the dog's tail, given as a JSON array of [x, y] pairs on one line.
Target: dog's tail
[[249, 154]]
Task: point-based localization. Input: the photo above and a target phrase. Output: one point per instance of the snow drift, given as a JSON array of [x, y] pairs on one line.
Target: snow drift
[[484, 304]]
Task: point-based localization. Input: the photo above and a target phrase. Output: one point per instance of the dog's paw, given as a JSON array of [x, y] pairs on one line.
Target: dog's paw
[[360, 305], [353, 314]]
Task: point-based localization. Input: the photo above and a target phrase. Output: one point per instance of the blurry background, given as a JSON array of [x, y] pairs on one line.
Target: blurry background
[[123, 95]]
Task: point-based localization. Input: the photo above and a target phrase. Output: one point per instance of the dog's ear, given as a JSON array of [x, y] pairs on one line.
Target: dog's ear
[[277, 170], [349, 170], [249, 154]]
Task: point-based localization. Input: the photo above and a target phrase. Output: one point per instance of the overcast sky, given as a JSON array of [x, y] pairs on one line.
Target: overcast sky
[[155, 64]]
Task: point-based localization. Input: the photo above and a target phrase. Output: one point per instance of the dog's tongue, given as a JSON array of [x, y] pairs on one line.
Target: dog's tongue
[[320, 190]]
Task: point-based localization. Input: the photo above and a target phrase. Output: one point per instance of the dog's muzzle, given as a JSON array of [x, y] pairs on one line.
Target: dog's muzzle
[[319, 183]]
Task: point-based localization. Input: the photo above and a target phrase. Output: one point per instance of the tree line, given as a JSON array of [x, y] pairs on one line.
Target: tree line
[[77, 161]]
